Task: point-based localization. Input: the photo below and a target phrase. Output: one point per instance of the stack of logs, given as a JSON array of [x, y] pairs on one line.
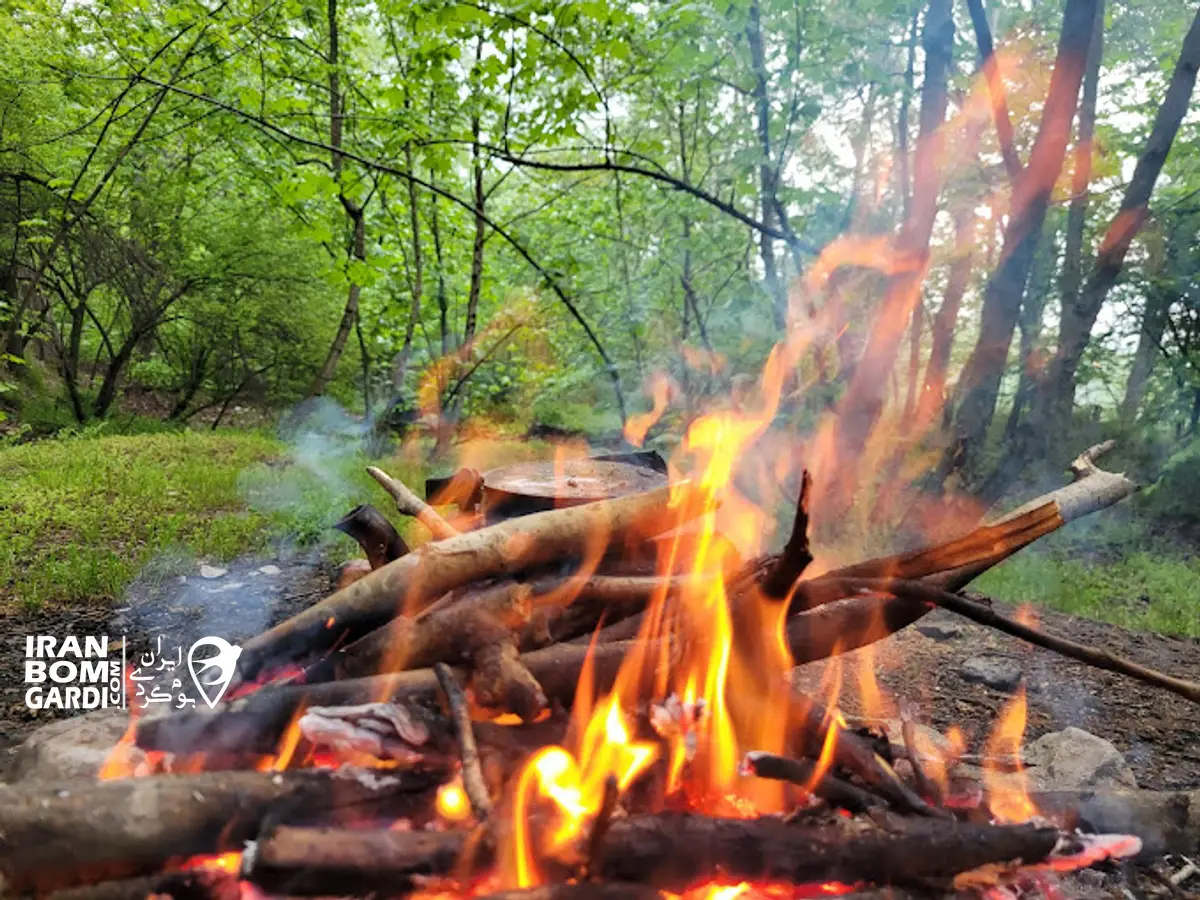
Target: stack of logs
[[379, 673]]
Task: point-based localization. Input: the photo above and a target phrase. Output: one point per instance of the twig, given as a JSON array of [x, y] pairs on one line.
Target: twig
[[608, 806], [473, 783], [411, 505], [1100, 659], [778, 582], [829, 788], [908, 729]]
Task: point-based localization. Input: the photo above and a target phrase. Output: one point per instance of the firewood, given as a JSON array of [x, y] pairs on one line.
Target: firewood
[[670, 851], [376, 535], [585, 890], [412, 582], [411, 505], [196, 884], [442, 635], [472, 774], [499, 679], [802, 772], [90, 831], [795, 558]]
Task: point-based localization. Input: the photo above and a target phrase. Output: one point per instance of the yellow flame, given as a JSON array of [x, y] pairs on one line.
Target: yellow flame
[[1008, 792], [452, 803]]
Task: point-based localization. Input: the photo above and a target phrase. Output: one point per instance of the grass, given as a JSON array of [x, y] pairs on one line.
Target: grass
[[1148, 590], [81, 517]]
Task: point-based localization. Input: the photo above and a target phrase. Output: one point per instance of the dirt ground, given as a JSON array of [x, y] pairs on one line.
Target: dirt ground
[[1158, 733]]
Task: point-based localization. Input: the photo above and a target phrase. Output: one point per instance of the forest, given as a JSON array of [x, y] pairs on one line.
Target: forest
[[969, 227]]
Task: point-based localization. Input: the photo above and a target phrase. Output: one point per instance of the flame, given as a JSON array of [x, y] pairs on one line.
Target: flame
[[452, 804], [637, 425], [1008, 792]]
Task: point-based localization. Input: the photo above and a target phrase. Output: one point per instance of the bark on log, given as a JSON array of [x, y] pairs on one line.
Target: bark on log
[[414, 581], [411, 505], [670, 851], [416, 643], [85, 832]]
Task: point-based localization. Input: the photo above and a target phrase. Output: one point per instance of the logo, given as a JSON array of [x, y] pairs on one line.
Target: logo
[[76, 673], [224, 661], [69, 675]]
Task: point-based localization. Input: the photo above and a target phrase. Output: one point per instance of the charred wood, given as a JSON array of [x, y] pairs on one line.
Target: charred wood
[[378, 538]]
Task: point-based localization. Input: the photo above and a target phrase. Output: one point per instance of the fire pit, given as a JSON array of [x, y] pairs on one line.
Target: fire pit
[[516, 709]]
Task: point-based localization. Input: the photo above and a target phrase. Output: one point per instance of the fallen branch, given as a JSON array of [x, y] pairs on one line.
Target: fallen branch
[[85, 832], [473, 783], [670, 851], [411, 505], [983, 615], [412, 582]]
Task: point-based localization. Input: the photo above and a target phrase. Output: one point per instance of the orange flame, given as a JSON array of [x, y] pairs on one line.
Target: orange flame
[[1008, 792], [638, 425]]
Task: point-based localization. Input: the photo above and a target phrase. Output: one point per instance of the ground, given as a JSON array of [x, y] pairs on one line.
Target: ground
[[107, 534]]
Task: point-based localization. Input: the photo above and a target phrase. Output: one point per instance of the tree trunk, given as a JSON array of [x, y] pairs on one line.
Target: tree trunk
[[1154, 324], [1072, 266], [442, 302], [979, 384], [353, 211], [1058, 394], [400, 366], [766, 174], [999, 98], [863, 403], [933, 393], [1041, 278]]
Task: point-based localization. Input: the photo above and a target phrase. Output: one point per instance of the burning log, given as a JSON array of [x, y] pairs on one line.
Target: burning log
[[411, 505], [441, 635], [472, 775], [585, 890], [60, 837], [805, 773], [378, 538], [415, 580], [670, 851]]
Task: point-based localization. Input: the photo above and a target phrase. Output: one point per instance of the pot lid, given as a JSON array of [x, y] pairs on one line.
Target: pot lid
[[573, 481]]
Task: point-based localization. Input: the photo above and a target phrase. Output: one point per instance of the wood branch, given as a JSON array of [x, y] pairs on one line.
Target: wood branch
[[984, 615], [803, 773], [472, 775], [795, 558], [411, 505], [600, 825], [440, 635], [929, 788], [570, 609], [499, 680], [88, 831], [411, 583], [670, 851], [378, 538]]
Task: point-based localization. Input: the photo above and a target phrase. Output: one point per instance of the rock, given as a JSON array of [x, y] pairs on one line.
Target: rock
[[269, 569], [212, 571], [1074, 759], [996, 672], [76, 747], [940, 631]]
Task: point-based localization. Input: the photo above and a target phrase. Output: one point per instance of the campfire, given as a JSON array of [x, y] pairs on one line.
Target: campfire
[[580, 687]]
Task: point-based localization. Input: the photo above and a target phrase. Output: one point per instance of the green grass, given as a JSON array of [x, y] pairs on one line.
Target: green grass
[[1149, 590], [81, 517]]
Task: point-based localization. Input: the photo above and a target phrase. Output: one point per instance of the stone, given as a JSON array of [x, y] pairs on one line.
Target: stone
[[76, 747], [269, 569], [996, 672], [940, 631], [212, 571], [1074, 759]]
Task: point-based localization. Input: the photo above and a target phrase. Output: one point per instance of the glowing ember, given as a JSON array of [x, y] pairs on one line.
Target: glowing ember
[[452, 804]]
